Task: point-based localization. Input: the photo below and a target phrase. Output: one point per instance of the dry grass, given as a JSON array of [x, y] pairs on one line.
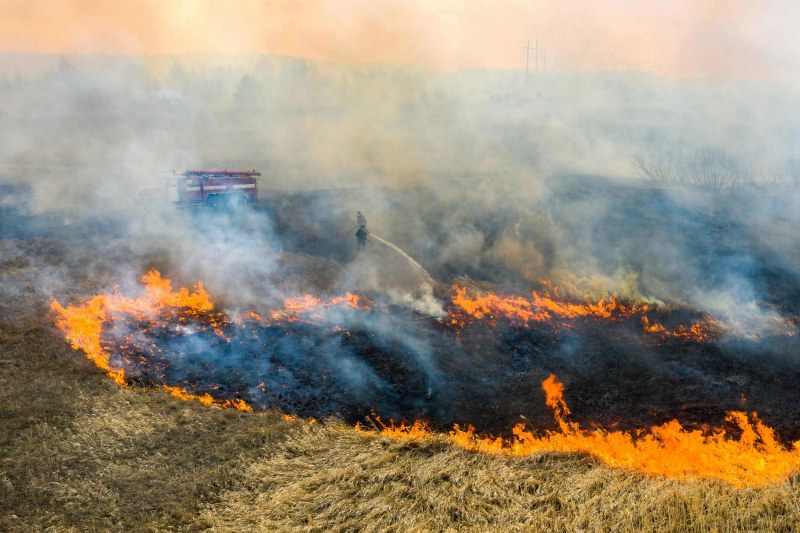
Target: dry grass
[[78, 453], [330, 478]]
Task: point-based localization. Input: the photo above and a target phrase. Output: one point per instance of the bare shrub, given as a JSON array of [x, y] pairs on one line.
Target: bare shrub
[[708, 168]]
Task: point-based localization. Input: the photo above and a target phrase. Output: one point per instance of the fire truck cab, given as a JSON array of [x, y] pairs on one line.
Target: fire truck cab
[[216, 188]]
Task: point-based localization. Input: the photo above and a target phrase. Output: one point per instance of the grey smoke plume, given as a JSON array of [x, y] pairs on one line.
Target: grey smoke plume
[[450, 166], [469, 173]]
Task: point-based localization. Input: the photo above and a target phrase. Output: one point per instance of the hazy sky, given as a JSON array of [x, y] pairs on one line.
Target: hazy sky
[[751, 38]]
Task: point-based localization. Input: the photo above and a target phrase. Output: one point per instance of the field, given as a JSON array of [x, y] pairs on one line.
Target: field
[[80, 453]]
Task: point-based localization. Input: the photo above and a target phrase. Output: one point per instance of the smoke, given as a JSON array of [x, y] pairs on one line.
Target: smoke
[[468, 173], [235, 253]]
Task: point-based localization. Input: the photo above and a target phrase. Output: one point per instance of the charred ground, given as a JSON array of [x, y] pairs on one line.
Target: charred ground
[[80, 452], [396, 363], [486, 374]]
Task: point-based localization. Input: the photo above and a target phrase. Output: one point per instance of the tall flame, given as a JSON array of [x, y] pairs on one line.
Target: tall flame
[[83, 324], [755, 458]]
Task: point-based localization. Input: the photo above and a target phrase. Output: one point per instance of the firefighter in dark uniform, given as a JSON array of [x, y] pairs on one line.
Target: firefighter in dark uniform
[[361, 237]]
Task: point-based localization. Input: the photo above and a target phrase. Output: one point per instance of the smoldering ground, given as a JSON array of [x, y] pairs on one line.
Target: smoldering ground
[[395, 361], [470, 174]]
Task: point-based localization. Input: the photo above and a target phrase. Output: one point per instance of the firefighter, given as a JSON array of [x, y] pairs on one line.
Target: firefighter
[[361, 220], [361, 236]]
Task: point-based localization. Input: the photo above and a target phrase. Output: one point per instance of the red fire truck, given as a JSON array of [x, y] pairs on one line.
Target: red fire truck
[[215, 188]]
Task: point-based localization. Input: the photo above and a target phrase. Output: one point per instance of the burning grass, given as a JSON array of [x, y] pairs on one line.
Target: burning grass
[[754, 458], [552, 308], [175, 310], [79, 453], [329, 478]]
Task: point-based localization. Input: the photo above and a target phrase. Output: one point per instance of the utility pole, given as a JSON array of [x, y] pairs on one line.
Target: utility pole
[[527, 58], [528, 49]]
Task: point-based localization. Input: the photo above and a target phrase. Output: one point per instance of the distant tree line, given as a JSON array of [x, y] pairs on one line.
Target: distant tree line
[[712, 168]]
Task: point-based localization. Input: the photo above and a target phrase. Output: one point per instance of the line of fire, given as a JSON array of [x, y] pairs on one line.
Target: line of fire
[[490, 369]]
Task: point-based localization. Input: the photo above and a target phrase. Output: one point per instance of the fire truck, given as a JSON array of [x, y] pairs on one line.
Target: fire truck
[[214, 188]]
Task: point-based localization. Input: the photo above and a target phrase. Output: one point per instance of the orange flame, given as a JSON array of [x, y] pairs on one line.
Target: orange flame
[[296, 307], [655, 327], [206, 399], [83, 325], [543, 308], [537, 309], [755, 458]]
